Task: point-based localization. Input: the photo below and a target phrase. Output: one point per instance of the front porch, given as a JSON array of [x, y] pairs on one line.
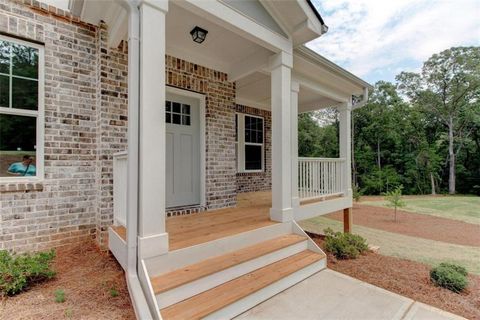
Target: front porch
[[252, 212]]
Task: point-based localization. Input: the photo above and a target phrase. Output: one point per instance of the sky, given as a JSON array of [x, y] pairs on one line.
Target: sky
[[377, 39]]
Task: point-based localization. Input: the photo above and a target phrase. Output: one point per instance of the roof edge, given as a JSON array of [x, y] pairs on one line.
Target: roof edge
[[309, 53], [315, 11]]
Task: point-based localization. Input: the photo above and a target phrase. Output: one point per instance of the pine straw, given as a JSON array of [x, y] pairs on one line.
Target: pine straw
[[87, 276], [410, 279]]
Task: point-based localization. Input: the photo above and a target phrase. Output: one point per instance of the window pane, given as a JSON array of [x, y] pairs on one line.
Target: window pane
[[176, 119], [168, 117], [24, 94], [24, 61], [185, 109], [17, 145], [176, 107], [253, 157], [168, 105], [253, 129], [186, 120], [4, 92], [4, 57]]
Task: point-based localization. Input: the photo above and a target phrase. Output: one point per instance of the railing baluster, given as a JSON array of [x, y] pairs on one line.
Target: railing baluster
[[320, 177]]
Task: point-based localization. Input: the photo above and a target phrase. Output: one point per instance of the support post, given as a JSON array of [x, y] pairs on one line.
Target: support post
[[294, 137], [347, 220], [345, 115], [280, 66], [153, 239], [346, 153]]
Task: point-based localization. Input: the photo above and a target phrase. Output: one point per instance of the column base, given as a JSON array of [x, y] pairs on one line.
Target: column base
[[153, 245], [295, 202], [281, 215]]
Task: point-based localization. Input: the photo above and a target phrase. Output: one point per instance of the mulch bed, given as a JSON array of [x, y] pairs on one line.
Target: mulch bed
[[86, 275], [413, 224], [410, 279]]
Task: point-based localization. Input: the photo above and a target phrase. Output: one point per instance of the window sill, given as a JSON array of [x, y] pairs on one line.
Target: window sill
[[252, 172], [23, 185]]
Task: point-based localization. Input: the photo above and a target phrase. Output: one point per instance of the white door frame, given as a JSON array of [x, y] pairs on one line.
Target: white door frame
[[201, 99]]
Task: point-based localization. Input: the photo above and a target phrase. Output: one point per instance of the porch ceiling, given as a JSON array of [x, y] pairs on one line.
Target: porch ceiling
[[254, 90], [222, 50]]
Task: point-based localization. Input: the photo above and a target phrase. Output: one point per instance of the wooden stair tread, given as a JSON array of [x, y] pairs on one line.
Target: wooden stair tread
[[217, 298], [210, 266]]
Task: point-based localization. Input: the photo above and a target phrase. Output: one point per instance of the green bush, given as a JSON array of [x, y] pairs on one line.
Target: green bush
[[344, 245], [450, 276], [59, 296], [18, 272]]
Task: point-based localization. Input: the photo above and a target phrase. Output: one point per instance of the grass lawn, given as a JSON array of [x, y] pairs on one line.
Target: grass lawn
[[462, 208], [412, 248]]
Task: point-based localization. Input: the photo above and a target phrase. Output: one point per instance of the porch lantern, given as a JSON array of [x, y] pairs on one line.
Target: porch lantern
[[198, 34]]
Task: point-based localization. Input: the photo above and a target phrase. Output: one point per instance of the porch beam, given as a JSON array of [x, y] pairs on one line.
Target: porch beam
[[238, 23], [320, 89], [153, 239], [281, 65], [257, 61], [295, 88]]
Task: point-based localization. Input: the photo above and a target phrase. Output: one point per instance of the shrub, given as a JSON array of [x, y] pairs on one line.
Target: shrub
[[357, 194], [59, 296], [113, 292], [18, 272], [450, 276], [344, 245]]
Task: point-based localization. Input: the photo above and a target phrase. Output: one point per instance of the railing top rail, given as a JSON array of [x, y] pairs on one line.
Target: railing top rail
[[321, 159]]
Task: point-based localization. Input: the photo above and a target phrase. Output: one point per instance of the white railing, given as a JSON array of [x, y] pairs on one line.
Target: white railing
[[320, 177], [120, 188]]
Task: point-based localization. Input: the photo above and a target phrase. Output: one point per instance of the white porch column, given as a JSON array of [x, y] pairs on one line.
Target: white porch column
[[294, 138], [153, 239], [345, 145], [280, 65]]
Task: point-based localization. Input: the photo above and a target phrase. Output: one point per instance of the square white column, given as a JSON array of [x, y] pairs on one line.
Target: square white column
[[345, 115], [280, 66], [294, 137], [153, 239]]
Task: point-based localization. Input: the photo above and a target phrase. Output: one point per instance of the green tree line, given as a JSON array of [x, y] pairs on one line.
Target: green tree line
[[422, 132]]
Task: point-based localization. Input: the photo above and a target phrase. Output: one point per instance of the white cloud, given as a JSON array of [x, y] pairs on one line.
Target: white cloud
[[375, 36]]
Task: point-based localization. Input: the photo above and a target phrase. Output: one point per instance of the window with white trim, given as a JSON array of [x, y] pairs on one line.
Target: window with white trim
[[249, 143], [21, 110]]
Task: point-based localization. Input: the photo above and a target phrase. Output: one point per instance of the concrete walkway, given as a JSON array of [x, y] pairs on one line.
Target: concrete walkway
[[332, 295]]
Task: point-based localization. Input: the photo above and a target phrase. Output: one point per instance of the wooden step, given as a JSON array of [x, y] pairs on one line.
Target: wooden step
[[213, 265], [219, 297]]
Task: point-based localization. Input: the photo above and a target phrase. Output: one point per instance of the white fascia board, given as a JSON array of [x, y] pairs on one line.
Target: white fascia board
[[236, 22], [316, 58]]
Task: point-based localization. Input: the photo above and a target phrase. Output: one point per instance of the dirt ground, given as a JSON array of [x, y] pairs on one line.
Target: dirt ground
[[86, 275], [413, 224], [410, 279]]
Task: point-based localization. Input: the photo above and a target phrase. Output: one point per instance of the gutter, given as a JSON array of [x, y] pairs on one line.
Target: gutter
[[139, 302], [362, 102]]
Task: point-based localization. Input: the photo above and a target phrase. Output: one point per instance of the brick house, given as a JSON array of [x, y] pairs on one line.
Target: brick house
[[167, 131]]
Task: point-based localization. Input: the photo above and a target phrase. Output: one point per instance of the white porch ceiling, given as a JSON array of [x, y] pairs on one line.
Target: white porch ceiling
[[222, 50]]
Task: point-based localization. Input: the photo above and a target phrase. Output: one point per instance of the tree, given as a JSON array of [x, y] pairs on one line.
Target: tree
[[394, 199], [449, 89]]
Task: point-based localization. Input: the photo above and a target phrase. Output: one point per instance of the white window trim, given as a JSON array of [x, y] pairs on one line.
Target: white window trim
[[39, 114], [241, 143]]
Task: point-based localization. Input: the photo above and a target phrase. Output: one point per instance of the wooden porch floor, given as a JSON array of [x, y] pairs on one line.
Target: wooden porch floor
[[252, 212]]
